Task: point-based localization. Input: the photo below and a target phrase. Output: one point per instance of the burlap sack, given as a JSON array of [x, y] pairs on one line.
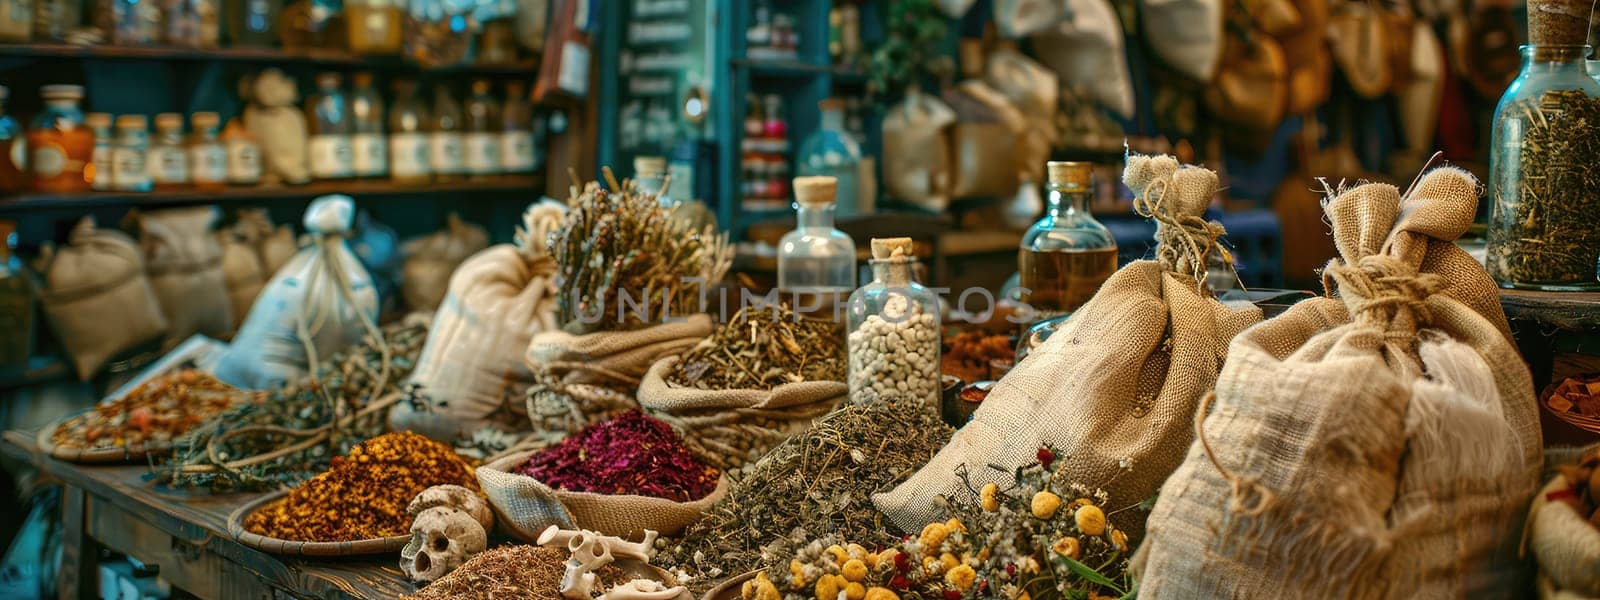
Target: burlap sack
[[275, 245], [1085, 50], [728, 428], [1361, 48], [184, 262], [430, 259], [97, 296], [242, 273], [1185, 34], [1567, 546], [1252, 86], [524, 507], [1036, 93], [1115, 388], [1380, 445], [612, 357], [985, 142], [916, 150], [1020, 18]]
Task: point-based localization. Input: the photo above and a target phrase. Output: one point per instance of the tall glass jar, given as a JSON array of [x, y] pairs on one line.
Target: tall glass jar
[[243, 152], [1065, 256], [516, 133], [128, 170], [252, 23], [13, 149], [369, 147], [481, 143], [208, 160], [445, 155], [408, 136], [374, 26], [60, 146], [894, 331], [816, 262], [167, 158], [328, 115], [1544, 190], [832, 152]]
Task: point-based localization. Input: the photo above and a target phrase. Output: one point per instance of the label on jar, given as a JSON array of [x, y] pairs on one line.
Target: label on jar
[[208, 163], [444, 152], [100, 161], [409, 155], [371, 154], [516, 151], [331, 156], [244, 162], [128, 170], [483, 153], [574, 74], [48, 160], [168, 165]]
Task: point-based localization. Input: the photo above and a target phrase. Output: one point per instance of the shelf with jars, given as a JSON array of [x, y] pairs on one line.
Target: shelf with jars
[[278, 56], [530, 184]]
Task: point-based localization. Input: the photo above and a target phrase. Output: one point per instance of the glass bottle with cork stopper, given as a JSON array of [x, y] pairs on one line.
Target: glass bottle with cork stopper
[[60, 146], [129, 172], [167, 160], [1543, 189], [99, 172], [894, 331], [1067, 254], [243, 154], [816, 261], [445, 155], [516, 132], [208, 160]]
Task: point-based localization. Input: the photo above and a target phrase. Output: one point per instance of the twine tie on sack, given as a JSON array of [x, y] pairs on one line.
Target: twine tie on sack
[[1380, 288], [1182, 241], [1240, 486]]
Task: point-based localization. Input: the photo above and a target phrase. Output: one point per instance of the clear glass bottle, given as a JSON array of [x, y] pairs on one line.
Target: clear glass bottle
[[54, 19], [445, 155], [99, 172], [374, 26], [816, 262], [1065, 256], [252, 23], [832, 152], [167, 158], [516, 133], [481, 142], [244, 154], [16, 20], [130, 22], [13, 149], [208, 160], [60, 146], [894, 331], [409, 154], [1544, 199], [369, 146], [328, 115], [192, 23], [128, 170], [650, 174]]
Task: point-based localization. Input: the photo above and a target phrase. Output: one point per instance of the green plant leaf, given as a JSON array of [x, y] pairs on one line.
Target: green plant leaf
[[1084, 571]]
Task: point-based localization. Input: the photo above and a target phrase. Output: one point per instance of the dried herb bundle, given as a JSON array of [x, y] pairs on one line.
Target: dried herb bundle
[[821, 481], [763, 347], [1546, 215], [619, 243], [297, 431], [511, 573]]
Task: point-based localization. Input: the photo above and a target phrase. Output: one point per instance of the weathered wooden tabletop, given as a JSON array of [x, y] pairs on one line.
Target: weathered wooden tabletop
[[185, 535]]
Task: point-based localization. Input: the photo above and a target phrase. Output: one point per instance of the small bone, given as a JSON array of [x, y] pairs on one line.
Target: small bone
[[588, 554], [556, 537], [645, 589]]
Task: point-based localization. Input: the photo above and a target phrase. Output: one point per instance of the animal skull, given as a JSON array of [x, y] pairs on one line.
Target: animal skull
[[442, 538], [453, 496]]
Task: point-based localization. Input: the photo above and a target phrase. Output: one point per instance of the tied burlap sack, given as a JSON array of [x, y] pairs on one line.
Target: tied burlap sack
[[1567, 546], [984, 142], [525, 507], [430, 259], [728, 428], [471, 373], [584, 378], [1379, 445], [97, 297], [916, 150], [1115, 388], [275, 245], [184, 262]]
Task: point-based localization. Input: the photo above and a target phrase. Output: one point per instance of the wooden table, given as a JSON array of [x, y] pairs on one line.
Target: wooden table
[[185, 535]]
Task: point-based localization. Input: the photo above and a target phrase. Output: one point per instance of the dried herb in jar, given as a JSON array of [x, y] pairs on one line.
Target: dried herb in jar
[[763, 347], [512, 573], [152, 414], [968, 354], [1545, 223], [630, 454], [364, 494]]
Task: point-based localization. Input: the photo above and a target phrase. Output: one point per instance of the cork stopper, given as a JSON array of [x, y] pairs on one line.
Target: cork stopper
[[61, 92], [649, 166], [831, 104], [97, 120], [169, 121], [816, 191], [891, 248], [205, 120], [1558, 22], [328, 80], [132, 122], [1069, 174]]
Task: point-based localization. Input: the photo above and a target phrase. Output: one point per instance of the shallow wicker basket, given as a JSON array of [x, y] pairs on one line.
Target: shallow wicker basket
[[272, 545], [1584, 422], [119, 454], [729, 588]]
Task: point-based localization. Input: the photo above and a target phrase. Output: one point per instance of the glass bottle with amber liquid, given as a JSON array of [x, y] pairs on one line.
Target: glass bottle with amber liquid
[[1066, 255]]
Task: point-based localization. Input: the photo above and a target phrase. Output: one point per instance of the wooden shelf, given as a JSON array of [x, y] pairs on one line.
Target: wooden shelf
[[794, 68], [357, 188], [326, 58], [34, 371], [1566, 310]]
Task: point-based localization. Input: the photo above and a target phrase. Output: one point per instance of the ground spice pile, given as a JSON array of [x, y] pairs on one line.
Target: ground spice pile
[[365, 493], [967, 355], [520, 572], [628, 454], [820, 482], [152, 414], [763, 347]]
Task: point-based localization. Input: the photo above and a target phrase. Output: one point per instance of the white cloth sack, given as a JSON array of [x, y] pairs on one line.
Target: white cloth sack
[[1086, 52], [1185, 34]]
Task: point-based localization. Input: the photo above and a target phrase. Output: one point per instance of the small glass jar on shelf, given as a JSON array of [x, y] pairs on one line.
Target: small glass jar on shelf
[[60, 145], [16, 20], [409, 147], [368, 145], [13, 149], [516, 134], [129, 22], [374, 26], [54, 19], [481, 143], [832, 152], [894, 325], [445, 155], [167, 158], [252, 23], [1065, 256], [243, 152], [208, 160], [328, 115], [129, 172], [816, 261], [192, 23]]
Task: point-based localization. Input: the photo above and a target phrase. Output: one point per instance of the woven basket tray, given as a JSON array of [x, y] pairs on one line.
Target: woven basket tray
[[729, 589], [1584, 422], [263, 543], [120, 454]]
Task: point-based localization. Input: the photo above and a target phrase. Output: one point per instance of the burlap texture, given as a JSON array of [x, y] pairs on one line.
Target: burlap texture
[[916, 150], [184, 262], [242, 274], [97, 296], [1567, 546], [612, 357], [1114, 390], [429, 261], [472, 372], [1377, 445], [525, 507]]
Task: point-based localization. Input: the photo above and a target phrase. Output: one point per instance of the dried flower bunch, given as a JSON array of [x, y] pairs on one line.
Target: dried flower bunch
[[629, 454], [621, 241], [364, 494], [763, 347], [152, 414], [820, 481], [1020, 543], [511, 573]]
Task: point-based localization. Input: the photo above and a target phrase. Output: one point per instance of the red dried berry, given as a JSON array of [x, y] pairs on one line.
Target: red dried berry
[[1045, 457], [983, 586], [1011, 570], [902, 563], [952, 595], [899, 582]]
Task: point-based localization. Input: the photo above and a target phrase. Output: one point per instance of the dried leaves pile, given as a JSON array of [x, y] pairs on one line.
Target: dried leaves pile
[[763, 347], [819, 482], [1546, 227], [511, 573]]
